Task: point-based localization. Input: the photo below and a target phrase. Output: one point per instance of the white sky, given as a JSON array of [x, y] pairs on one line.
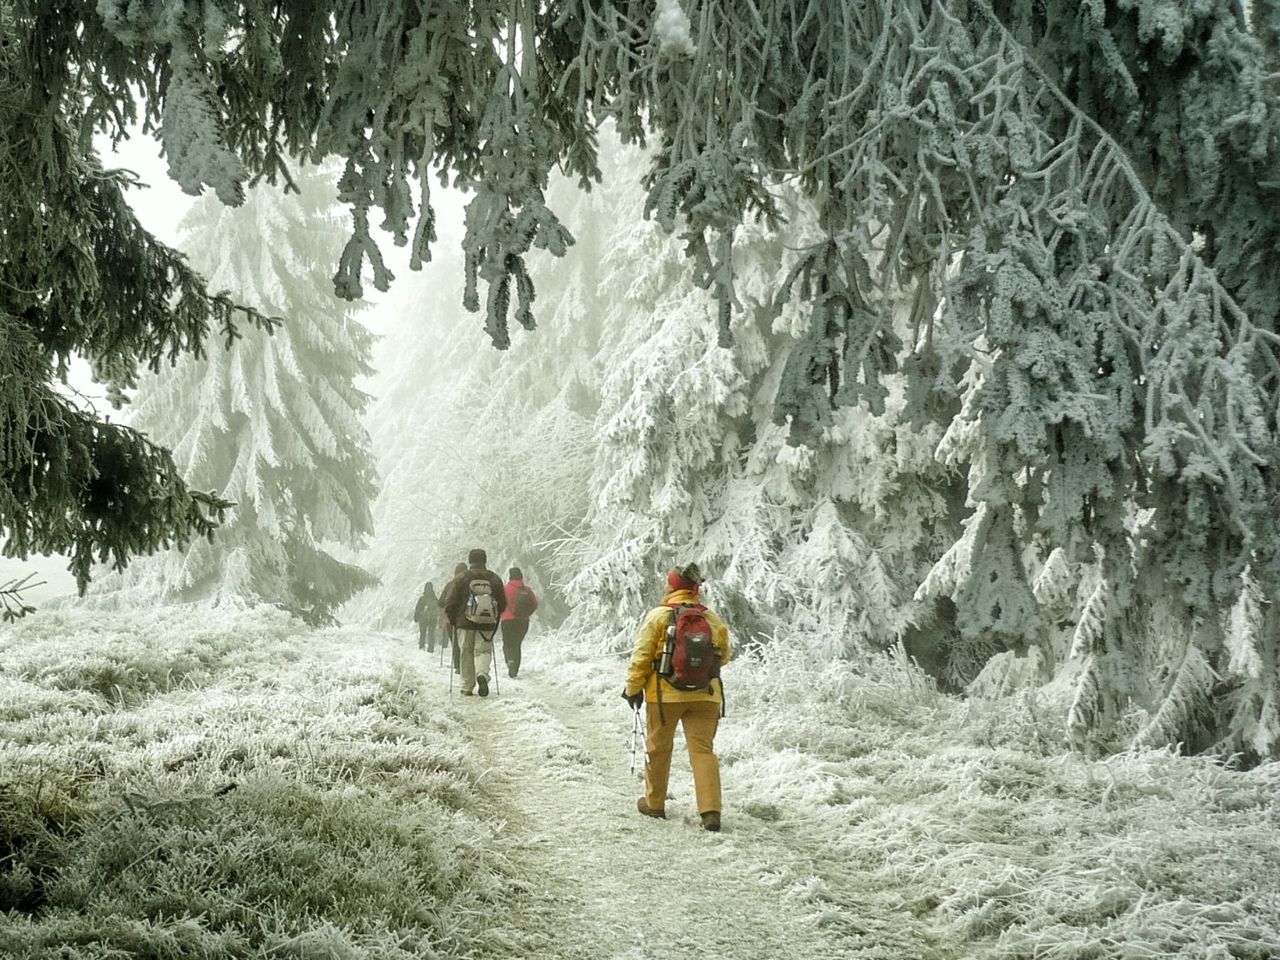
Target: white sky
[[162, 204]]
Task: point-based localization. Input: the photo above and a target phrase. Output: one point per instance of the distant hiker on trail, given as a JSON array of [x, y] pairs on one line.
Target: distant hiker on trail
[[521, 602], [475, 605], [427, 616], [675, 667], [459, 571]]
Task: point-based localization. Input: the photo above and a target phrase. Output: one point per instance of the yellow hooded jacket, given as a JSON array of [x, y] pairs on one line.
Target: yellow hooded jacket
[[641, 674]]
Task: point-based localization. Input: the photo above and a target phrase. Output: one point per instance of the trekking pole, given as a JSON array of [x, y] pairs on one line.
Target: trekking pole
[[635, 729], [493, 665]]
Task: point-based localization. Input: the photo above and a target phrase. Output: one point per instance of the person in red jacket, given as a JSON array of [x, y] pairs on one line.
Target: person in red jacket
[[521, 603]]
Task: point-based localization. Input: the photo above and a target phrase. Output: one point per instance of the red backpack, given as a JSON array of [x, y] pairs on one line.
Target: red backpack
[[690, 659], [523, 603]]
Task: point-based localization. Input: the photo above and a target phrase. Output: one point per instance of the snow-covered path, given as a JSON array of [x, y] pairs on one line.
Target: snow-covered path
[[601, 882]]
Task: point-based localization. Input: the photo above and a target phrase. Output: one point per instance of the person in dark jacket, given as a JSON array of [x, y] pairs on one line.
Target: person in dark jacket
[[427, 616], [475, 605], [521, 603], [459, 571]]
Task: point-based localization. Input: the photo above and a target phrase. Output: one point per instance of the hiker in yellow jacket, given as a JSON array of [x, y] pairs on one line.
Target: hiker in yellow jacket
[[698, 710]]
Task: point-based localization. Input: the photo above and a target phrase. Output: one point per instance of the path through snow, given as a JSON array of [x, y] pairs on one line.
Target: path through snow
[[598, 881]]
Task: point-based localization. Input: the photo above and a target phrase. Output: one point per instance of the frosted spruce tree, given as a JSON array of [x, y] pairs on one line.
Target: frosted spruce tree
[[826, 539], [274, 422], [1141, 447]]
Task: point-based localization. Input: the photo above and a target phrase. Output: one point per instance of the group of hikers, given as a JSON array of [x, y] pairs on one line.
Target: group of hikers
[[473, 607], [673, 674]]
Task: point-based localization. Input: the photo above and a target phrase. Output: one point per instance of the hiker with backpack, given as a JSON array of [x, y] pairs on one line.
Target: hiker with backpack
[[675, 670], [474, 608], [426, 615], [521, 603], [459, 571]]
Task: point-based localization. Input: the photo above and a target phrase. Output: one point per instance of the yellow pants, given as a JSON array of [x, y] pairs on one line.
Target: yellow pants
[[700, 719]]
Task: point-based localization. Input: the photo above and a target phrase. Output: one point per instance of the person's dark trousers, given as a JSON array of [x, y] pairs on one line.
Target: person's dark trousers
[[513, 632], [427, 636], [457, 651]]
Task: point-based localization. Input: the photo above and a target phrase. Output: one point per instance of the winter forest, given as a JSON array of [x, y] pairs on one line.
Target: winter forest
[[943, 336]]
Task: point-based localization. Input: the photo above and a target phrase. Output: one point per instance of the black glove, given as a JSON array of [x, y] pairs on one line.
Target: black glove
[[636, 700]]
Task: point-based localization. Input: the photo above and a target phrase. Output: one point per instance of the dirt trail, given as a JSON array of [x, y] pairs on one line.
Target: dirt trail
[[595, 872]]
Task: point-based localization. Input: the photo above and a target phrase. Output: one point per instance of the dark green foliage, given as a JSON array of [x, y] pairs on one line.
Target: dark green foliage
[[71, 483]]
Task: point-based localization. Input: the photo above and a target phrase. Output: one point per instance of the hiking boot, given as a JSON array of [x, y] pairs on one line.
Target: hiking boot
[[512, 670], [711, 821], [466, 693], [482, 684], [648, 811]]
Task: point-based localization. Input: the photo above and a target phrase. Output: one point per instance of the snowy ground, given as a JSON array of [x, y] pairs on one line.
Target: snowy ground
[[179, 785]]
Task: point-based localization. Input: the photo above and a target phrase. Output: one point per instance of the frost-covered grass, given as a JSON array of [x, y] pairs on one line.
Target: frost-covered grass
[[967, 826], [175, 788]]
